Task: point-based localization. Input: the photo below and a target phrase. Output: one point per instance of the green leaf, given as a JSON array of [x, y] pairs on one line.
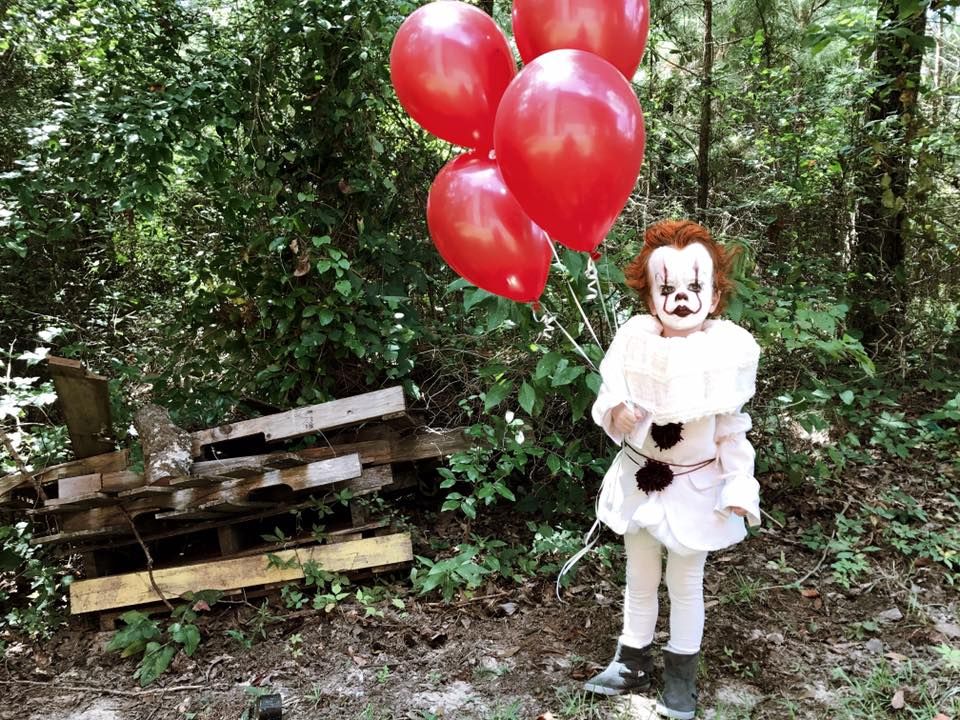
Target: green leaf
[[546, 365], [186, 635], [472, 297], [847, 397], [564, 374], [155, 662], [496, 395], [527, 398]]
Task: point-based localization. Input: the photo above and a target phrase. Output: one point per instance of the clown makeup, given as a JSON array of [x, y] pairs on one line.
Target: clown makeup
[[681, 288]]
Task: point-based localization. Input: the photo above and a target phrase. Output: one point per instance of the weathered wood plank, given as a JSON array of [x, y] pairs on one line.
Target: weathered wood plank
[[136, 493], [426, 445], [303, 477], [372, 480], [307, 420], [76, 503], [105, 463], [85, 400], [79, 485], [115, 482], [135, 588], [420, 446]]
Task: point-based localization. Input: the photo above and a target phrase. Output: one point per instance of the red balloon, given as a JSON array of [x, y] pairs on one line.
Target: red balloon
[[616, 30], [482, 232], [450, 64], [569, 139]]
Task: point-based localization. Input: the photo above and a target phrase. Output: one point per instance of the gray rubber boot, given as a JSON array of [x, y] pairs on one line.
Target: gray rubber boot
[[629, 671], [679, 697]]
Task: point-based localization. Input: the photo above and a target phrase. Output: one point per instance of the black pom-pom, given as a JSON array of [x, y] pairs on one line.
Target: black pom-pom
[[666, 436], [654, 476]]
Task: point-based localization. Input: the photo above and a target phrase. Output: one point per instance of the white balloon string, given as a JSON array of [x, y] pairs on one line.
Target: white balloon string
[[549, 320], [576, 302], [593, 278]]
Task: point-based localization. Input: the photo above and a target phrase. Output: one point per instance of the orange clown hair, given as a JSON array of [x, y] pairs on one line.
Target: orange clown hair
[[679, 234]]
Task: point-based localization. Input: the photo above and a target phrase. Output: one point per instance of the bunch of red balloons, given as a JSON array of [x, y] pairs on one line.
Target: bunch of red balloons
[[555, 149]]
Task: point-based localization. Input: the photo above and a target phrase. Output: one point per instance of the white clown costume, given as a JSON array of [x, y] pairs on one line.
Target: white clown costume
[[691, 391], [672, 394]]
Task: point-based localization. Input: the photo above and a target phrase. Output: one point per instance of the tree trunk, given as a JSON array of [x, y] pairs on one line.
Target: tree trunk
[[166, 448], [891, 124], [706, 112]]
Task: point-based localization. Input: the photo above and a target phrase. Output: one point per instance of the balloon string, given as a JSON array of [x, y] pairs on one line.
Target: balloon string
[[548, 319], [593, 278], [576, 302]]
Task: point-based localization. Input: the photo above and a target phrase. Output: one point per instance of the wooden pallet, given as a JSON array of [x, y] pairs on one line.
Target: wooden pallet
[[201, 521], [133, 589]]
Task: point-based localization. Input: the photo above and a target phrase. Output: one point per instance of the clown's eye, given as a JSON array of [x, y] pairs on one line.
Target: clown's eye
[[696, 287], [666, 289]]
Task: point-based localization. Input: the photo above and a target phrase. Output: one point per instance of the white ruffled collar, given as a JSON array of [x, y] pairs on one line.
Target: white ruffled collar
[[680, 379]]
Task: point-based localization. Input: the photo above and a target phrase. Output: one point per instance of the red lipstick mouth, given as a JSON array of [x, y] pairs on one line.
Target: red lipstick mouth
[[682, 311]]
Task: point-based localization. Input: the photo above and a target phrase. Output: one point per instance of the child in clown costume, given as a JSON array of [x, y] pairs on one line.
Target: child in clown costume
[[674, 385]]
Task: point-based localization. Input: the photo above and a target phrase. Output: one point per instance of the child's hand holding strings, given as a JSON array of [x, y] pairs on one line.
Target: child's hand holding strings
[[625, 418]]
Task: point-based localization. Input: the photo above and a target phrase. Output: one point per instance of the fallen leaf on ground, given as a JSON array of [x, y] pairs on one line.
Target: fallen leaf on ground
[[891, 615], [897, 701], [546, 716], [810, 593], [949, 629]]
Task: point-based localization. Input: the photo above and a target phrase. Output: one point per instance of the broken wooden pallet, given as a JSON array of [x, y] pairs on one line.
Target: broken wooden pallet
[[234, 497], [85, 400], [284, 566], [111, 462], [296, 423]]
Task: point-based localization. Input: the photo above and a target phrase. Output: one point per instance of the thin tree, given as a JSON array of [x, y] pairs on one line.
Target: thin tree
[[882, 218], [706, 112]]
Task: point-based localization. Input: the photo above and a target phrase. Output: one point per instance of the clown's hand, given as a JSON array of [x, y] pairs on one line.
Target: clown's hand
[[625, 418]]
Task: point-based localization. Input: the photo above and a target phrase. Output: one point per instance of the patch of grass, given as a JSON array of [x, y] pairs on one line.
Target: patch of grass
[[510, 712], [581, 705], [731, 712], [923, 691], [486, 673], [744, 593], [749, 670]]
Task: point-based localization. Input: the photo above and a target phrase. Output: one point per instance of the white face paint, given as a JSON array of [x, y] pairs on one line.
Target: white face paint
[[681, 288]]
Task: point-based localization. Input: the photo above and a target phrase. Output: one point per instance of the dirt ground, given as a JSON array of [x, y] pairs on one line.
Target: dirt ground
[[514, 651]]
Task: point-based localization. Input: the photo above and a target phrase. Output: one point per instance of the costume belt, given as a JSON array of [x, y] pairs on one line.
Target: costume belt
[[655, 475]]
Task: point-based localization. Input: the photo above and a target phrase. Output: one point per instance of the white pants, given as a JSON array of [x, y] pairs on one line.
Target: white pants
[[684, 586]]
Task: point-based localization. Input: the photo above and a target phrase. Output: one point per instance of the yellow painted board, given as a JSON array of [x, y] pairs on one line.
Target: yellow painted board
[[134, 588]]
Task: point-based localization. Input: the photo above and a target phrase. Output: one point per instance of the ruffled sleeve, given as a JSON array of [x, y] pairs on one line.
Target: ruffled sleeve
[[613, 388], [736, 456]]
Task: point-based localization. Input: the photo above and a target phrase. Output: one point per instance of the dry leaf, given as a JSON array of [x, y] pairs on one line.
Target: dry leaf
[[951, 630], [810, 593], [546, 716], [896, 657], [940, 716], [303, 264], [897, 701]]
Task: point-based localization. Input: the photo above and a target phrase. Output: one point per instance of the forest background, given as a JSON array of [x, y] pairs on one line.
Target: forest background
[[220, 206]]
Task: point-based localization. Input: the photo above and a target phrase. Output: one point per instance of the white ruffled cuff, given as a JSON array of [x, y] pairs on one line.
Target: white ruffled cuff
[[740, 491]]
